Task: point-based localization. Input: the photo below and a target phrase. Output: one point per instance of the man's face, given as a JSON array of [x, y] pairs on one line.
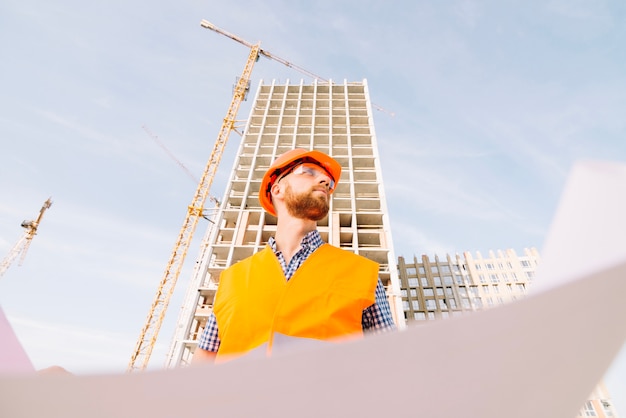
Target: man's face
[[311, 203]]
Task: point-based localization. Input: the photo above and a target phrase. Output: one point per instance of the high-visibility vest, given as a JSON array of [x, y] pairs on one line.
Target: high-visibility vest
[[255, 305]]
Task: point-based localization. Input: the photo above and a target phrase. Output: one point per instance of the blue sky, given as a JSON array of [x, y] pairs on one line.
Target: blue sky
[[493, 102]]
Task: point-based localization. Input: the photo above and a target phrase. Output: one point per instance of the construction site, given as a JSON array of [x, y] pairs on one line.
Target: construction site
[[335, 117]]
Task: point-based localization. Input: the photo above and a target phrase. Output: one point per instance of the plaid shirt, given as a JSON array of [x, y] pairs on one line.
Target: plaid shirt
[[376, 318]]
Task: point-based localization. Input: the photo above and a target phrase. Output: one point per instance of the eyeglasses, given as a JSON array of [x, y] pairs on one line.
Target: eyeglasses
[[309, 169]]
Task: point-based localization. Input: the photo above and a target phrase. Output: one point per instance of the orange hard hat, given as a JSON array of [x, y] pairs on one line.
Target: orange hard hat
[[287, 161]]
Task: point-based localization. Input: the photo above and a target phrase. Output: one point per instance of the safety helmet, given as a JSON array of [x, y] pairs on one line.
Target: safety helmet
[[289, 160]]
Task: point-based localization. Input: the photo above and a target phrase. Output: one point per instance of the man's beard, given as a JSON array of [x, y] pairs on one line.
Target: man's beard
[[306, 205]]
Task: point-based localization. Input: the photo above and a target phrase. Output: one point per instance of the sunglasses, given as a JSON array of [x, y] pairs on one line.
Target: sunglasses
[[305, 167], [311, 170]]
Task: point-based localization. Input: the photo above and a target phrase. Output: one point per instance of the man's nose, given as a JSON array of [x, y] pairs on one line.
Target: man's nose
[[324, 179]]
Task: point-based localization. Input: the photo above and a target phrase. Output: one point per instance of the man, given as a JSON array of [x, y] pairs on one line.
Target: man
[[298, 287]]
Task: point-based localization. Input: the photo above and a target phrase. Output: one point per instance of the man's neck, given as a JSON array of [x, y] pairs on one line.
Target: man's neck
[[289, 234]]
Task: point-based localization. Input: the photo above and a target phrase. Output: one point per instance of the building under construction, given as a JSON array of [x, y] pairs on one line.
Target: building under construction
[[334, 118]]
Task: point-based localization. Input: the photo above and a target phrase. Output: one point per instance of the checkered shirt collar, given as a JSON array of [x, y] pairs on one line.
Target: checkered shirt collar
[[310, 242]]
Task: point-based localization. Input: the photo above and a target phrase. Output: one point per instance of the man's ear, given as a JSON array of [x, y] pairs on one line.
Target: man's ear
[[275, 190]]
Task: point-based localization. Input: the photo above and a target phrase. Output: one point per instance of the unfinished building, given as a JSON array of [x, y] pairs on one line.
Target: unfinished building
[[334, 118]]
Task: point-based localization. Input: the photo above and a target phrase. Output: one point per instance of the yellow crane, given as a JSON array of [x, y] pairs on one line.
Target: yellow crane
[[147, 338], [22, 245]]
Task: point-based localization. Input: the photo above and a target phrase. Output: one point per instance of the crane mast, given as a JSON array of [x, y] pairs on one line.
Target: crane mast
[[22, 245], [147, 339]]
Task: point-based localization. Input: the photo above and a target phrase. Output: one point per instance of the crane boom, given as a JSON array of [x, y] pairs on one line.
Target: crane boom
[[147, 338], [265, 53], [209, 25], [22, 245]]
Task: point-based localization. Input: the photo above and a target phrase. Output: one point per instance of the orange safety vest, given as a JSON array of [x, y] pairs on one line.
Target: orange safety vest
[[255, 306]]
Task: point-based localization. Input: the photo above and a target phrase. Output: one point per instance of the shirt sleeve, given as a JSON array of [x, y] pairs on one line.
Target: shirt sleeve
[[209, 339], [377, 318]]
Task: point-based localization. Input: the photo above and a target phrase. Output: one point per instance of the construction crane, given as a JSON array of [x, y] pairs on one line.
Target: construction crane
[[22, 245], [147, 338]]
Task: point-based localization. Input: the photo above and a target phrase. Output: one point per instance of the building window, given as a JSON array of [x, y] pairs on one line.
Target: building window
[[525, 263], [403, 293], [415, 304], [437, 280], [478, 266], [589, 410], [482, 278], [419, 315], [414, 292], [413, 282], [431, 305], [489, 266], [411, 271], [405, 305], [445, 269], [494, 278], [429, 292]]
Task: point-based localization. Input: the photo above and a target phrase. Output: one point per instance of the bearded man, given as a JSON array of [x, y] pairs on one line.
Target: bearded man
[[298, 288]]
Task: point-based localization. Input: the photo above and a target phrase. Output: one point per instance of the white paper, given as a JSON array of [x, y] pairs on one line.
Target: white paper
[[540, 357], [13, 358], [588, 232]]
